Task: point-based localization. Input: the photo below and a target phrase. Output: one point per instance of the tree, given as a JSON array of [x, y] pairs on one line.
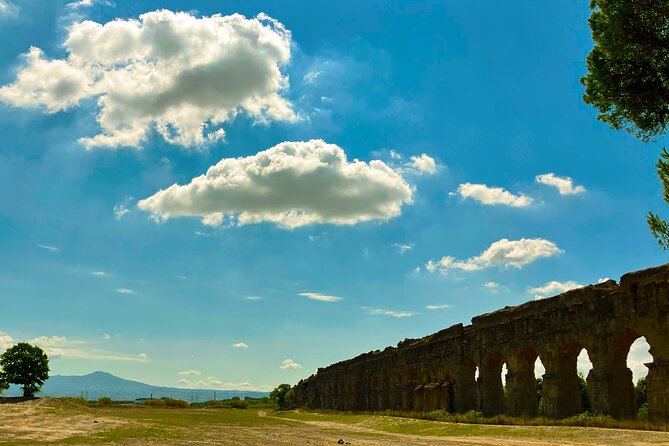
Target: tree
[[26, 365], [3, 386], [279, 396], [628, 77], [628, 68], [641, 392]]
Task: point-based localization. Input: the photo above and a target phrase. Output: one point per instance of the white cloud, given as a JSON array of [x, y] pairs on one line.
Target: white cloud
[[320, 297], [253, 298], [565, 185], [240, 345], [106, 337], [422, 165], [603, 279], [403, 247], [49, 248], [181, 75], [553, 288], [99, 273], [289, 364], [190, 373], [8, 9], [292, 184], [6, 341], [503, 253], [77, 4], [391, 313], [212, 382], [491, 285], [125, 291], [437, 307], [493, 195], [638, 357], [63, 347]]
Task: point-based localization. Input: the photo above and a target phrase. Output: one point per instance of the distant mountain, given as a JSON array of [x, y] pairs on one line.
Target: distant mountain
[[98, 384]]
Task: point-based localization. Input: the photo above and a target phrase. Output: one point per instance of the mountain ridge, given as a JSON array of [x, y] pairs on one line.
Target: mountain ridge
[[100, 383]]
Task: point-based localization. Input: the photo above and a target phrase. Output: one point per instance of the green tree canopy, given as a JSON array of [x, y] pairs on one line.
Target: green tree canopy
[[628, 68], [26, 365], [628, 77], [279, 395]]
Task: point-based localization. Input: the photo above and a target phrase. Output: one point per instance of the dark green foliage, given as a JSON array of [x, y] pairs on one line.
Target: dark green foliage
[[628, 68], [658, 226], [104, 401], [540, 394], [166, 402], [279, 395], [26, 365], [641, 392], [3, 386], [586, 404], [238, 404]]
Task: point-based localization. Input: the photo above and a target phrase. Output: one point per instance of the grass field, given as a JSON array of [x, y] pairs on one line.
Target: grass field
[[67, 422]]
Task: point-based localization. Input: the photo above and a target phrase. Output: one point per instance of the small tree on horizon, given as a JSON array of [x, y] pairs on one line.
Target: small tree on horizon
[[279, 395], [26, 365]]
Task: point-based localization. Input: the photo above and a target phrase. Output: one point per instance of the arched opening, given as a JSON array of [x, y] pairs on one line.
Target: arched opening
[[561, 388], [637, 358], [539, 371], [584, 366], [505, 370]]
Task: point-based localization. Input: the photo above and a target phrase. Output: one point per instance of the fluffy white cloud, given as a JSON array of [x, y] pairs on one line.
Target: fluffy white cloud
[[553, 288], [423, 164], [493, 195], [181, 75], [143, 357], [321, 297], [212, 382], [637, 358], [292, 184], [391, 313], [501, 254], [437, 307], [289, 364], [240, 345], [403, 247], [491, 285], [565, 185], [6, 341]]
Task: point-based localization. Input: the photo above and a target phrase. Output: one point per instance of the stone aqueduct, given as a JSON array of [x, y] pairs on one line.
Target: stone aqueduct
[[439, 371]]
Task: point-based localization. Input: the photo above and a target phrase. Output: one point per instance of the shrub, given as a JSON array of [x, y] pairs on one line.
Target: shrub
[[104, 401], [238, 404]]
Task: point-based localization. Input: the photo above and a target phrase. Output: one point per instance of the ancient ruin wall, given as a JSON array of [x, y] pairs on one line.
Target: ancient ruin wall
[[439, 371]]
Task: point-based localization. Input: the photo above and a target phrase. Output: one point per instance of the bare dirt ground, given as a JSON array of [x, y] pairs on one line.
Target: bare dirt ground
[[57, 422]]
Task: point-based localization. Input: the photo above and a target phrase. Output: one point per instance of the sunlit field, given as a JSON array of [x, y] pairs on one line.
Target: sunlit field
[[71, 422]]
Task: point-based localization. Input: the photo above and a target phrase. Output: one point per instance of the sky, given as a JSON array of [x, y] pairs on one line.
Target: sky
[[231, 194]]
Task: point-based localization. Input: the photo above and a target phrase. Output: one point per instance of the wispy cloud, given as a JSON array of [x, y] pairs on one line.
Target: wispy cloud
[[121, 209], [253, 298], [391, 313], [240, 345], [190, 373], [99, 273], [491, 285], [403, 247], [289, 364], [49, 248], [125, 291], [321, 297], [437, 307], [63, 347]]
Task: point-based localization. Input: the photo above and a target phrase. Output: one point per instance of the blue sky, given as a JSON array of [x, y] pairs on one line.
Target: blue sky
[[379, 170]]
